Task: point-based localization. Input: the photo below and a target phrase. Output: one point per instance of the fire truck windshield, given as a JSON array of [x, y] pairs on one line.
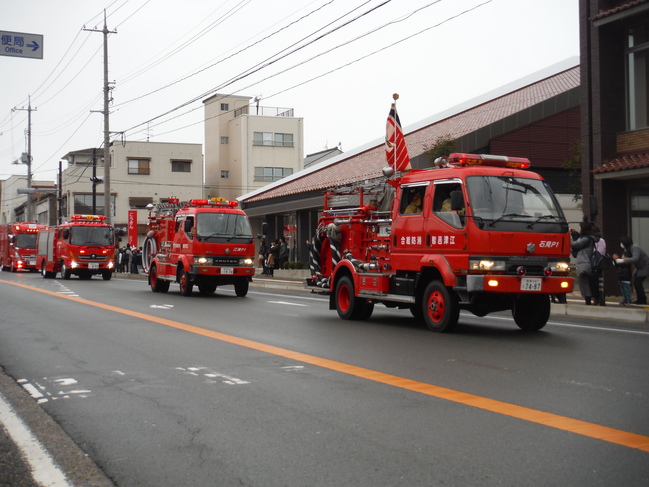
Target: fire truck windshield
[[223, 227], [82, 235], [25, 241], [503, 200]]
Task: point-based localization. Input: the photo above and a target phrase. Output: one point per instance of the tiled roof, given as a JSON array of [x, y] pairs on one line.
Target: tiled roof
[[369, 163], [623, 162], [623, 6]]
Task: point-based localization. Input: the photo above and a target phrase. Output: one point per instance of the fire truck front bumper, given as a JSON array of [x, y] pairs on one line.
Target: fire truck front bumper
[[222, 271], [519, 284]]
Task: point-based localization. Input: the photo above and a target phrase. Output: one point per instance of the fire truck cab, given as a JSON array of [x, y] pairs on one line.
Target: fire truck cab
[[18, 246], [207, 243], [84, 246], [477, 232]]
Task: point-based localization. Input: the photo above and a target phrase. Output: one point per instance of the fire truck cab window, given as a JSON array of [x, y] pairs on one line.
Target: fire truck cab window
[[448, 204], [91, 236], [189, 226], [223, 227], [179, 220], [412, 200]]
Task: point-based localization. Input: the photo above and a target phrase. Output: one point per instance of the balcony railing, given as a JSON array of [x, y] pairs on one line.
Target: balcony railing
[[264, 111]]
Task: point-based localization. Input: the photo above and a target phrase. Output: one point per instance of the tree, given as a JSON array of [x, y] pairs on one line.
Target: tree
[[443, 146]]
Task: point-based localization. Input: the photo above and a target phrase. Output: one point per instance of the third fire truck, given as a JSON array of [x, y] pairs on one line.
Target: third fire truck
[[477, 232], [207, 243], [18, 246], [83, 246]]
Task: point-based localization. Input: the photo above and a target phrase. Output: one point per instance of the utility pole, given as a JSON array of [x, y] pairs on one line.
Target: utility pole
[[108, 206], [27, 158]]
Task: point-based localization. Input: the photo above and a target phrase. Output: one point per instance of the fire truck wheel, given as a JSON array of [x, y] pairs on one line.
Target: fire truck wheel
[[186, 285], [349, 306], [531, 313], [241, 288], [65, 272], [157, 285], [106, 275], [440, 309]]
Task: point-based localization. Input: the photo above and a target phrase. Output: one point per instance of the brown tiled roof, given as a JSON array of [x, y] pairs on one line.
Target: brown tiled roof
[[623, 162], [623, 6], [368, 164]]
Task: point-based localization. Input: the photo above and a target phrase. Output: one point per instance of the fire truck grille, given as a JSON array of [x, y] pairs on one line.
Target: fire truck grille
[[226, 261], [93, 258]]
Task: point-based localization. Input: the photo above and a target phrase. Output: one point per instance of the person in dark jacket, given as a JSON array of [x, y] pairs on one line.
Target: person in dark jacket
[[640, 261], [583, 243]]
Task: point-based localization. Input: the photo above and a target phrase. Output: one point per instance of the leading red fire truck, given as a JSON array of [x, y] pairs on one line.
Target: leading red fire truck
[[477, 232], [83, 246], [18, 246], [200, 242]]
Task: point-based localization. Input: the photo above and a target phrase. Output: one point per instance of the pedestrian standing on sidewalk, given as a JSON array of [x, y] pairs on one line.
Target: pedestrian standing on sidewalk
[[596, 273], [623, 276], [582, 249], [640, 260]]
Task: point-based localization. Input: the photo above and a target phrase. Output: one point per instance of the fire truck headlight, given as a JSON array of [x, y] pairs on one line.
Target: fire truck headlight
[[73, 264], [200, 260], [559, 266], [111, 264], [248, 262], [486, 265]]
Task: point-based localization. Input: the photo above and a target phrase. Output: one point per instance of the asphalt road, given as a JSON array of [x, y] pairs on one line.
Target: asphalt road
[[275, 390]]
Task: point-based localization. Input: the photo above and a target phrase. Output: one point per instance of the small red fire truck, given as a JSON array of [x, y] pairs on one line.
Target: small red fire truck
[[477, 232], [200, 242], [84, 246], [18, 245]]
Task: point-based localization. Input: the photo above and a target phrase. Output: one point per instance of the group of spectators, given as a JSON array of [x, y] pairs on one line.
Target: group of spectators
[[273, 257], [128, 259], [630, 262]]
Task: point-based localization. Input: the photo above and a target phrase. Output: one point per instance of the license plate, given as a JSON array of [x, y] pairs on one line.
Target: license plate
[[227, 270], [528, 284], [32, 262], [93, 265]]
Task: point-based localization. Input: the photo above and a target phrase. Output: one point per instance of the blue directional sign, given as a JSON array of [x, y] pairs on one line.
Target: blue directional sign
[[20, 44]]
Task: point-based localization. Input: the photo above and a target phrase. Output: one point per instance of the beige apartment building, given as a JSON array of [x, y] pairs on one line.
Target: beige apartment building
[[140, 173], [248, 146]]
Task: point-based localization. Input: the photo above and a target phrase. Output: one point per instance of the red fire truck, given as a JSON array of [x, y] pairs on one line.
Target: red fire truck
[[477, 232], [83, 246], [18, 246], [201, 242]]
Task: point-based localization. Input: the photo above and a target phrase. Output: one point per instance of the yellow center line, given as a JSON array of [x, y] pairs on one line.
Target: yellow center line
[[556, 421]]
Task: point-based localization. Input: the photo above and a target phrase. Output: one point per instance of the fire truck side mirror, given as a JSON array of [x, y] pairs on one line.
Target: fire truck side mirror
[[66, 233], [264, 230], [11, 239], [457, 201]]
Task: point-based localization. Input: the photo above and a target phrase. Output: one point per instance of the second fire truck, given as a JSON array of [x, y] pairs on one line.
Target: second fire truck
[[477, 232], [84, 246], [203, 243]]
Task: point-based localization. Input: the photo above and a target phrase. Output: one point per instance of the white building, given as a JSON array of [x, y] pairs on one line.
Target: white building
[[248, 146], [140, 173]]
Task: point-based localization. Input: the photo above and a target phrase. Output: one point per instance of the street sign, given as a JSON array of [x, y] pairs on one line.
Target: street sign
[[20, 44]]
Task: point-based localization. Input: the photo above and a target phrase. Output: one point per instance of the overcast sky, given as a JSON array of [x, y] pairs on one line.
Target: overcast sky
[[335, 62]]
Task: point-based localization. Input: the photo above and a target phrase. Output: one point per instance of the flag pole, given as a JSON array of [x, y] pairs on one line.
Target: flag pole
[[395, 97]]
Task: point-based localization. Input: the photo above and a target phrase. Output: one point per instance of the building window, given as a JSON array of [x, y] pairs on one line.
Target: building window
[[181, 166], [83, 204], [139, 166], [225, 107], [225, 174], [638, 76], [225, 140], [284, 140], [139, 202], [271, 139], [272, 173]]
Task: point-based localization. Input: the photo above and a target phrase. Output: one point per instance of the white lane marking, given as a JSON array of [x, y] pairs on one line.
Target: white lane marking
[[44, 471], [162, 306], [287, 303], [211, 375]]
